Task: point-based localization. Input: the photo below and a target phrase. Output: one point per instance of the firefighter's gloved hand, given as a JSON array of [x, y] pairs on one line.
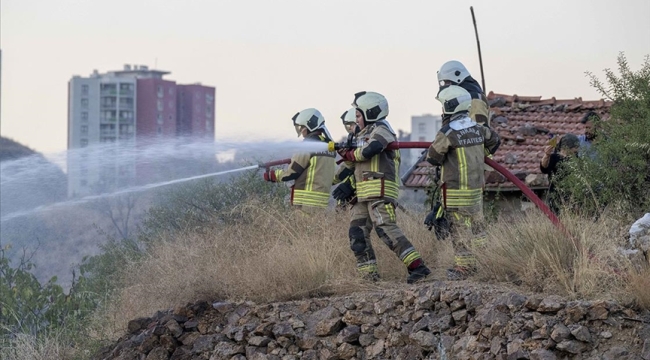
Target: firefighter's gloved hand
[[347, 155], [430, 219], [344, 192], [270, 176]]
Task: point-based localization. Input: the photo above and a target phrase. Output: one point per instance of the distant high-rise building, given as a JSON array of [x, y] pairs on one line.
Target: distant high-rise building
[[126, 108], [424, 128]]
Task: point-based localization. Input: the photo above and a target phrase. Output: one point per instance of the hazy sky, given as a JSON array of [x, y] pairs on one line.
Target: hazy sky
[[270, 59]]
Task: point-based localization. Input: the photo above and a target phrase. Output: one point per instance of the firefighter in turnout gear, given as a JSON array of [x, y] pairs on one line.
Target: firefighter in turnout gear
[[376, 174], [312, 173], [454, 73], [459, 149]]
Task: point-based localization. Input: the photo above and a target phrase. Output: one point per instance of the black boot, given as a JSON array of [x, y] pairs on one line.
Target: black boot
[[417, 274]]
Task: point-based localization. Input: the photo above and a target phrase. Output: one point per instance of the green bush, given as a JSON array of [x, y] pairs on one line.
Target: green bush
[[619, 172]]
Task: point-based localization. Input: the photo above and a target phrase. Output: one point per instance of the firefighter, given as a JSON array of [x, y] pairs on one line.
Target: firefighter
[[312, 173], [459, 149], [376, 175], [345, 193], [455, 73]]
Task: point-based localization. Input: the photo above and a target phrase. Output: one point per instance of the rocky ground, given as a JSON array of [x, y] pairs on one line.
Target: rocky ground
[[433, 320]]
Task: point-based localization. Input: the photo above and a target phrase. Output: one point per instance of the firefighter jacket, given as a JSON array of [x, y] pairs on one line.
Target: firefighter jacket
[[376, 169], [479, 112], [459, 149], [312, 173]]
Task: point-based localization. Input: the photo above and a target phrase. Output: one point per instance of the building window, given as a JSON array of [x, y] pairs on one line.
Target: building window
[[159, 130], [84, 142], [422, 138], [208, 98], [160, 91], [207, 125], [159, 118], [422, 127], [84, 116], [160, 105], [171, 118], [171, 91], [84, 89], [84, 129], [84, 103]]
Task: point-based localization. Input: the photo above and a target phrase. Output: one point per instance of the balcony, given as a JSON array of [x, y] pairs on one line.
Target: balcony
[[108, 120], [108, 92], [126, 93], [108, 106]]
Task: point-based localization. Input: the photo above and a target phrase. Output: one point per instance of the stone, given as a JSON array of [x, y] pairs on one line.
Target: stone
[[346, 351], [138, 324], [606, 335], [158, 354], [349, 334], [598, 311], [551, 304], [375, 350], [542, 354], [356, 317], [365, 339], [615, 353], [328, 327], [459, 316], [283, 329], [205, 343], [560, 333], [515, 350], [532, 303], [645, 352], [571, 346], [384, 306], [259, 341], [580, 332], [227, 349], [174, 328], [425, 340], [574, 312]]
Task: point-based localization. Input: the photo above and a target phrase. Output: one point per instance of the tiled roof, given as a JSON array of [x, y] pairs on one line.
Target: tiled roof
[[525, 124]]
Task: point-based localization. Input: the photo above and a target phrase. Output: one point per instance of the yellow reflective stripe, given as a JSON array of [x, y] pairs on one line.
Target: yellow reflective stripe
[[310, 198], [411, 257], [372, 188], [311, 174], [278, 174], [391, 212], [462, 167], [465, 260], [454, 198], [370, 268], [374, 163], [357, 154]]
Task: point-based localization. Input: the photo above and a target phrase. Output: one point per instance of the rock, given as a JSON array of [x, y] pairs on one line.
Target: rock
[[551, 304], [205, 343], [606, 335], [138, 324], [615, 353], [580, 333], [227, 349], [560, 333], [174, 328], [158, 354], [383, 306], [535, 180], [510, 158], [532, 303], [645, 352], [356, 317], [283, 329], [349, 334], [640, 233], [574, 312], [346, 351], [571, 346], [328, 327], [598, 311], [542, 354], [259, 341], [515, 350], [365, 339], [375, 350], [425, 340]]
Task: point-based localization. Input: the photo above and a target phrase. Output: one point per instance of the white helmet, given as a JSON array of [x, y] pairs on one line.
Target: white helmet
[[372, 105], [312, 119], [350, 116], [454, 99], [453, 71]]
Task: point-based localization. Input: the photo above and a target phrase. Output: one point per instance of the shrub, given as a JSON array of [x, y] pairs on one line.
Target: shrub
[[619, 172]]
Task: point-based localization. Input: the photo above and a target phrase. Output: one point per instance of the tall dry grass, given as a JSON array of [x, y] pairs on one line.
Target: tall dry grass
[[274, 255], [28, 347], [528, 249]]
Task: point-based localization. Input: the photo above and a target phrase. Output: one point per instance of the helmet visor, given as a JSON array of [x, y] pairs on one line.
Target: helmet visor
[[349, 126], [298, 129]]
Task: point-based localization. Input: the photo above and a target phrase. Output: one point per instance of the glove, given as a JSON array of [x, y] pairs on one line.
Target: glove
[[270, 176], [347, 155], [344, 192]]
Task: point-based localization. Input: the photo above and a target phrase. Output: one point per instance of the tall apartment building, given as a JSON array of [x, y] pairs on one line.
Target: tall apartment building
[[127, 108], [424, 128]]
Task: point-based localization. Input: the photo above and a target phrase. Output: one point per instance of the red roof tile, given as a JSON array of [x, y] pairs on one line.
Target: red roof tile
[[525, 124]]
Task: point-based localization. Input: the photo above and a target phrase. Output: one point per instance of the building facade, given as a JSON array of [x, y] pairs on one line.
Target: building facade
[[423, 128], [109, 114]]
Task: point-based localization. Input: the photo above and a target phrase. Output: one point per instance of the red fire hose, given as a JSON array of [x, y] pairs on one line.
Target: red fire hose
[[503, 171]]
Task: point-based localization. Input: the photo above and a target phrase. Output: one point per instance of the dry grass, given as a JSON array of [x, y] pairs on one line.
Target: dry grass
[[530, 250], [278, 256], [28, 347]]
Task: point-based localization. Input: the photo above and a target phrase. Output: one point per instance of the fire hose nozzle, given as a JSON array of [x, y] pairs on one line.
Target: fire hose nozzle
[[332, 146]]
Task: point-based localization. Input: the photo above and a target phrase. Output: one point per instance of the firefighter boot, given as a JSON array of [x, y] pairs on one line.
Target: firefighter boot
[[417, 272]]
